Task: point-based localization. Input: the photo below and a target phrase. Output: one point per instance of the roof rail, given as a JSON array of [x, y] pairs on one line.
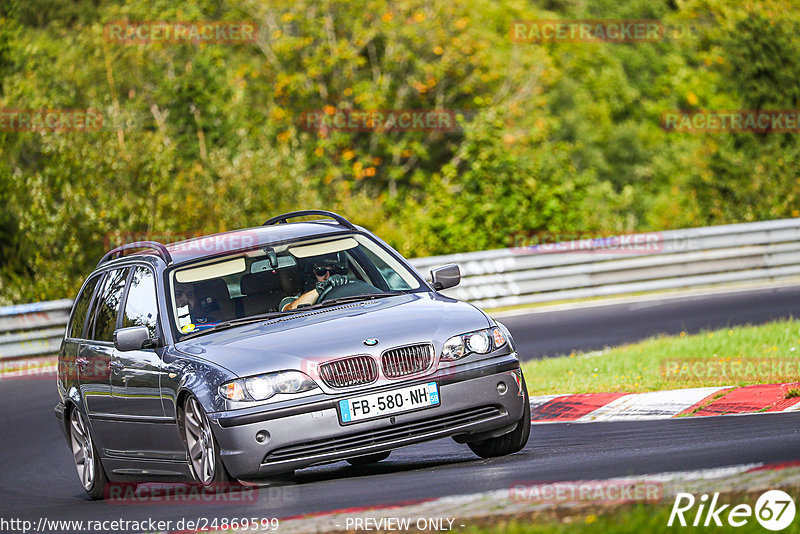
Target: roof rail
[[291, 215], [160, 248]]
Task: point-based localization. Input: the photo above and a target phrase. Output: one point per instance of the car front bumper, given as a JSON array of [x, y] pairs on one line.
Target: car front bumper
[[471, 404]]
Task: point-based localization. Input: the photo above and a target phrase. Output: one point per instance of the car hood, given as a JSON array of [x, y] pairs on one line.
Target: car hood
[[305, 340]]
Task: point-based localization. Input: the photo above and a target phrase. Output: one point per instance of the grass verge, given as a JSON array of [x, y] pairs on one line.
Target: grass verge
[[739, 356], [633, 519]]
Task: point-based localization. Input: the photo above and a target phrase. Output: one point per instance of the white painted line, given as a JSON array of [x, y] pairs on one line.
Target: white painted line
[[704, 474], [651, 405]]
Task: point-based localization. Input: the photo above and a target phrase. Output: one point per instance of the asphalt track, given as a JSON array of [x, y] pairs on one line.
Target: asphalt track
[[595, 327], [38, 480]]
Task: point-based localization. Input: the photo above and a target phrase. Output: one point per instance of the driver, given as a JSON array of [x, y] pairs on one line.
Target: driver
[[190, 313], [324, 278]]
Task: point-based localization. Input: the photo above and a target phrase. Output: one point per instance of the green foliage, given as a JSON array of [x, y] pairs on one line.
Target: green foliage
[[201, 138]]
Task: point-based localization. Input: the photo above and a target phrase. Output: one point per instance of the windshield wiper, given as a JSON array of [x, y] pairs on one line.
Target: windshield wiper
[[350, 298], [224, 325]]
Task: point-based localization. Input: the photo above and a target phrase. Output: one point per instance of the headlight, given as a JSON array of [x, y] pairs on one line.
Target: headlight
[[453, 349], [480, 342], [262, 387]]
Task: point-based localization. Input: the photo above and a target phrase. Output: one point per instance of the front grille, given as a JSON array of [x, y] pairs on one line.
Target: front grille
[[405, 361], [354, 371], [417, 429]]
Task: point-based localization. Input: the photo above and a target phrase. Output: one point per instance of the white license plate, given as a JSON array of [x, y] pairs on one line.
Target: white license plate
[[389, 402]]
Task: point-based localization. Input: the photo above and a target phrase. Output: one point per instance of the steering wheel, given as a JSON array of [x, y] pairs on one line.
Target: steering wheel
[[325, 292], [352, 287]]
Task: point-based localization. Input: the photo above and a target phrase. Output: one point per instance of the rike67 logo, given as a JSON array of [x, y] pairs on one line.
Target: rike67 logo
[[774, 510]]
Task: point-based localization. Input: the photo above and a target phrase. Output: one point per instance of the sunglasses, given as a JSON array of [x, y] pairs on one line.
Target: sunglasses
[[320, 271]]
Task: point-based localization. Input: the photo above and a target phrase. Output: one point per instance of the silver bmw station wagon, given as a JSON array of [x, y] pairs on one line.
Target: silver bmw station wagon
[[249, 354]]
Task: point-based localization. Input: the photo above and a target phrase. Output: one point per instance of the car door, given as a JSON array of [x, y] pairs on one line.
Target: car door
[[144, 431], [94, 357], [74, 339]]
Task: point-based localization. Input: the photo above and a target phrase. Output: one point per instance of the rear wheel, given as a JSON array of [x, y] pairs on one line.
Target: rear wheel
[[509, 443], [204, 457], [87, 461], [369, 458]]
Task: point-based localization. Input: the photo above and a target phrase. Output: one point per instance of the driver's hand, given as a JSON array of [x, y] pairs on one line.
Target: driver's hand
[[334, 281]]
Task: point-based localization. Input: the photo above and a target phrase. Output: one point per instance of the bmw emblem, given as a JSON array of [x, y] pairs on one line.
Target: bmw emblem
[[370, 342]]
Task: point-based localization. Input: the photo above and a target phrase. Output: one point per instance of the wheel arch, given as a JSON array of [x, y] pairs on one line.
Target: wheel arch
[[74, 401]]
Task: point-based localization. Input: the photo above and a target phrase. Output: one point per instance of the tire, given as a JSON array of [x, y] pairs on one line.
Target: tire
[[509, 443], [205, 460], [90, 471], [369, 458]]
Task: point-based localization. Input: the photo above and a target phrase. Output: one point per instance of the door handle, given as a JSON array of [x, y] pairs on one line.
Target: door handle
[[117, 365], [82, 362]]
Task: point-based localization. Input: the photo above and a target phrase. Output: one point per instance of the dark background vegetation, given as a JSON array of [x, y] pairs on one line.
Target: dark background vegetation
[[563, 137]]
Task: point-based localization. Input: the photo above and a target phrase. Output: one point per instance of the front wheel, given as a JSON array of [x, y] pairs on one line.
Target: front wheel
[[87, 461], [509, 443], [204, 456]]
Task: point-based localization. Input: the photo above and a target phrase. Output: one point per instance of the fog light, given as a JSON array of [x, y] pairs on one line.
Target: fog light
[[262, 436], [502, 388]]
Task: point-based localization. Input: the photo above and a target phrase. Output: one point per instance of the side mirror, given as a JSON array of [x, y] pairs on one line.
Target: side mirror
[[445, 276], [132, 338]]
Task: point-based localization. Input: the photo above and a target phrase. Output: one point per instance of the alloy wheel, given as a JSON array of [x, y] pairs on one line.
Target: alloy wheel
[[200, 442], [82, 449]]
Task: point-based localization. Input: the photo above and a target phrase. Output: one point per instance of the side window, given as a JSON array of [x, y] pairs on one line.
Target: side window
[[81, 307], [107, 305], [393, 280], [141, 308], [90, 321]]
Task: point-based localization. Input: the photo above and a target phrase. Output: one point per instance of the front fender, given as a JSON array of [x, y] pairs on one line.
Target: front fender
[[185, 375]]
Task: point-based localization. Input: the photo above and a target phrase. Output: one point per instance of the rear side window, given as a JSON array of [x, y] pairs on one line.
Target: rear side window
[[81, 307], [140, 306], [107, 305]]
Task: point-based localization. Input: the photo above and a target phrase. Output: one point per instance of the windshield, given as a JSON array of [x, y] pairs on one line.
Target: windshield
[[283, 278]]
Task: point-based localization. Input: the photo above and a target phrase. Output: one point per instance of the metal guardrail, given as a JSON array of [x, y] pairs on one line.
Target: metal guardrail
[[761, 251], [33, 329]]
